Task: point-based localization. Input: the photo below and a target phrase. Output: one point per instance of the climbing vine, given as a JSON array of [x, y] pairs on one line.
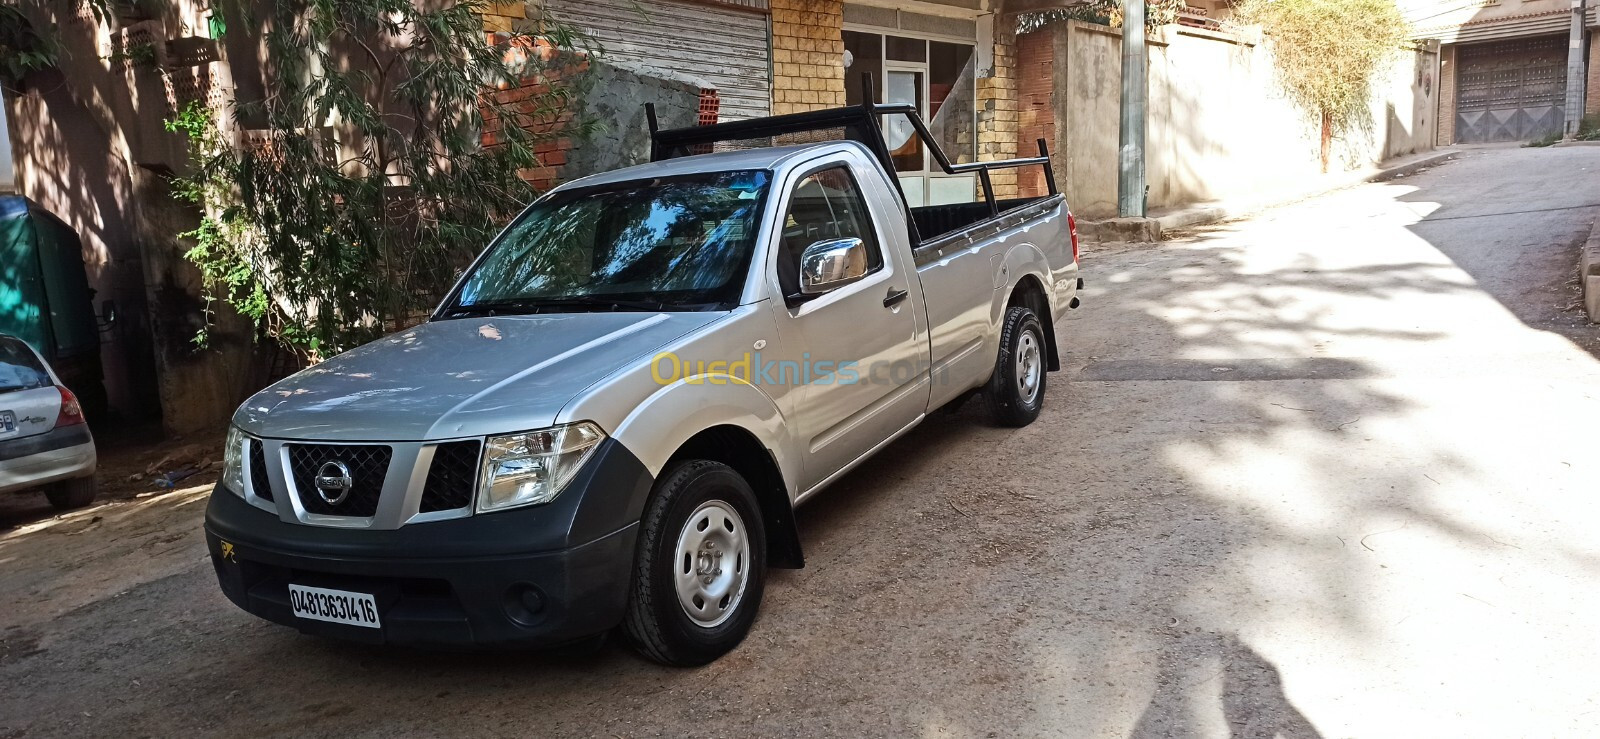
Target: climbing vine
[[1157, 13]]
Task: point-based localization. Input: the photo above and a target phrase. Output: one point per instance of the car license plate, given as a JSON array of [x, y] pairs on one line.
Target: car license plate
[[8, 422], [336, 606]]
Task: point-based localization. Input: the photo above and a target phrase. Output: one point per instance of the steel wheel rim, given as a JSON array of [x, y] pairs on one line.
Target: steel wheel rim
[[711, 565], [1029, 369]]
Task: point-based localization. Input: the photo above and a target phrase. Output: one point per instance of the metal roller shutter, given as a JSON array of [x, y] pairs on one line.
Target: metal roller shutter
[[723, 47]]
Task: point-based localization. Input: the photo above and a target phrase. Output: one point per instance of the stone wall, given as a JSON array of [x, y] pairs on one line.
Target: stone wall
[[807, 55], [997, 109]]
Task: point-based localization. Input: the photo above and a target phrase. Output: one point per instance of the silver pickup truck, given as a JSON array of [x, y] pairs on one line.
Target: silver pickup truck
[[609, 421]]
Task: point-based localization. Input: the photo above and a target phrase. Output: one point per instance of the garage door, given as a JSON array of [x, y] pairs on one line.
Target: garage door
[[722, 46], [1510, 90]]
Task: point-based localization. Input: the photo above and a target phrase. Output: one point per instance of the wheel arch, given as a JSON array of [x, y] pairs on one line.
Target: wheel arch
[[1029, 293], [739, 449]]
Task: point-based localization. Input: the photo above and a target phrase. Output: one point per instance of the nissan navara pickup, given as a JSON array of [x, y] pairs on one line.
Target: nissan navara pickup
[[608, 423]]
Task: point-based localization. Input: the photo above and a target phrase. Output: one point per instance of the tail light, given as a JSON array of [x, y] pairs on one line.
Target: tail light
[[71, 413], [1072, 227]]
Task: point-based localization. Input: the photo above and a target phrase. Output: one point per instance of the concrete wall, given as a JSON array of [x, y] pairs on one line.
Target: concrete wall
[[1220, 126], [617, 99], [613, 96], [90, 147]]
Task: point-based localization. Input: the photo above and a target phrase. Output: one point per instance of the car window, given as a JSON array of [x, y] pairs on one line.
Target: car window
[[20, 368], [825, 205]]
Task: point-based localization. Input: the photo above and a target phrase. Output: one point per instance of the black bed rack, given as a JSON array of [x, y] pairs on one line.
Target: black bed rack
[[861, 123]]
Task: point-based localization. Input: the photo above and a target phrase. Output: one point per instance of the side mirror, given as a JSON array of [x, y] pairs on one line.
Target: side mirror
[[108, 314], [831, 264]]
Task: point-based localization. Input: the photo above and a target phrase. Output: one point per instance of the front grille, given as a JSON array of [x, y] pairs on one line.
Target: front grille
[[368, 465], [451, 477], [259, 483]]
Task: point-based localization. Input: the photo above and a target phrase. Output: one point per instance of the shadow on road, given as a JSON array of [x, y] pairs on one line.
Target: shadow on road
[[1260, 501]]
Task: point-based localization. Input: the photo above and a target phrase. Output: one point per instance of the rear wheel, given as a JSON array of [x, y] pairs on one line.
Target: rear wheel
[[1016, 390], [69, 494], [701, 566]]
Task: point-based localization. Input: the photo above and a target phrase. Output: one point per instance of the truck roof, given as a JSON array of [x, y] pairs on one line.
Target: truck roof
[[767, 157]]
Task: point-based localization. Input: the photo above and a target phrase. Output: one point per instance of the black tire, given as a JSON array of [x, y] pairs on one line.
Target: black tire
[[69, 494], [657, 624], [1009, 402]]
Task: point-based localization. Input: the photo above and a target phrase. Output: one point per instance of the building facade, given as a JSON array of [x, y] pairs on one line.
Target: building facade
[[953, 59], [1503, 66]]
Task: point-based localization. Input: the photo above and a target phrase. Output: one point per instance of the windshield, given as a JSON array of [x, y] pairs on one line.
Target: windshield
[[20, 368], [678, 243]]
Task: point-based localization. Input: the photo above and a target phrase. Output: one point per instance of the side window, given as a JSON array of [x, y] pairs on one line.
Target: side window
[[826, 205]]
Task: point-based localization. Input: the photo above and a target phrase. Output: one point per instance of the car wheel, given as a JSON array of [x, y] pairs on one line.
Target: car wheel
[[1016, 389], [68, 494], [700, 568]]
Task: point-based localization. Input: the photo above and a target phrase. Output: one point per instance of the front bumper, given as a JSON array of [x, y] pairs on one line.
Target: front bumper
[[484, 579], [61, 454]]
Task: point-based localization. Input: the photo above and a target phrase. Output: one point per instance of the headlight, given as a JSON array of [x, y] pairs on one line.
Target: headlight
[[233, 461], [531, 468]]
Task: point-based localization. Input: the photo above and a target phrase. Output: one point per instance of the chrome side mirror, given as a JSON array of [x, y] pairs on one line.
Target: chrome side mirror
[[830, 264]]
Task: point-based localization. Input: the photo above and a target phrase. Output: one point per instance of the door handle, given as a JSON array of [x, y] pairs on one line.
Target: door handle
[[894, 297]]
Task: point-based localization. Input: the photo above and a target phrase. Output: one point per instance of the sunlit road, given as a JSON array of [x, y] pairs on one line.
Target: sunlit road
[[1330, 471]]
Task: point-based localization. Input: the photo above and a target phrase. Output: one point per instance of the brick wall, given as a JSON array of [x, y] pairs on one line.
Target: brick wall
[[1591, 104], [528, 103], [1447, 95], [807, 55], [997, 108], [1036, 118]]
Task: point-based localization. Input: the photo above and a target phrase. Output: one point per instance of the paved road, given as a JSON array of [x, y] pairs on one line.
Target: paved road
[[1323, 472]]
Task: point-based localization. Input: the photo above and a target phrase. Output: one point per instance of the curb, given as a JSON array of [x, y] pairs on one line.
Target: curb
[[1589, 273], [1155, 229]]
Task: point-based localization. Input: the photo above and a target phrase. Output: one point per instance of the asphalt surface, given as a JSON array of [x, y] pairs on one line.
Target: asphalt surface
[[1329, 471]]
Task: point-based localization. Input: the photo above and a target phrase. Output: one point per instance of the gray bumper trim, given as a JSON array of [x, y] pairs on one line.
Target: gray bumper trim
[[58, 438]]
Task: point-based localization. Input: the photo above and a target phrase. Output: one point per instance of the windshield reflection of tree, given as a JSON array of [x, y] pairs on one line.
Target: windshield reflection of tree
[[677, 240]]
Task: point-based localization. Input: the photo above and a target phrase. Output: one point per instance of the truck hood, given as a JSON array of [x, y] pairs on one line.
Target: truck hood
[[461, 377]]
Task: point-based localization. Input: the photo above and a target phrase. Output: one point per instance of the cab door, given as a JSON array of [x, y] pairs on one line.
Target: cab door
[[854, 358]]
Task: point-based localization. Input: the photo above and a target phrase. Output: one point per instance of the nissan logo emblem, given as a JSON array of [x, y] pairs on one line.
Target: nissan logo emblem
[[333, 482]]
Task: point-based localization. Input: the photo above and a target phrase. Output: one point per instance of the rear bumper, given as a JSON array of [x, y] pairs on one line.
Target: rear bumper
[[498, 578], [62, 454]]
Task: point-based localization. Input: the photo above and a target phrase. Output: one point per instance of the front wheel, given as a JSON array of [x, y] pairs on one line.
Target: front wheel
[[700, 568], [1016, 389]]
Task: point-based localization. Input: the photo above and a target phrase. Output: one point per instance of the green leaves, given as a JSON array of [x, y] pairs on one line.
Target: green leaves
[[22, 49], [365, 186], [1329, 51]]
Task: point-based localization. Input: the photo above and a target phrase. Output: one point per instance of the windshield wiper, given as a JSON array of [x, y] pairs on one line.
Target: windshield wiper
[[526, 306]]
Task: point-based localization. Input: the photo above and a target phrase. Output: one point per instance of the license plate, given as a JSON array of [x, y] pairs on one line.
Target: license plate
[[8, 422], [335, 606]]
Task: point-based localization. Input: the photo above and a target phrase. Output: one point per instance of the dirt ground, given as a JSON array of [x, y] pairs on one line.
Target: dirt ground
[[1328, 471]]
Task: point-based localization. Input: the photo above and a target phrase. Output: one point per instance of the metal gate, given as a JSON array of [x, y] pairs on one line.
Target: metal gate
[[1510, 90], [720, 44]]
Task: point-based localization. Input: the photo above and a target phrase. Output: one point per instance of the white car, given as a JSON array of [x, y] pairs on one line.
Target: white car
[[44, 441]]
